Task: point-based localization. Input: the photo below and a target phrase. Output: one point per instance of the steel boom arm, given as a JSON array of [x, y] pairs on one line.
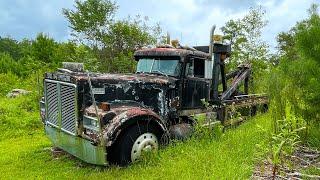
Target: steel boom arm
[[243, 75]]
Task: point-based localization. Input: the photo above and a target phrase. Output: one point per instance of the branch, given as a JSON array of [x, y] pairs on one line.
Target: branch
[[297, 174]]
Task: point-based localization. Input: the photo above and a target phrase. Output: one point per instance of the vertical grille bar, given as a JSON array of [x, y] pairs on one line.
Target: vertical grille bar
[[68, 108], [61, 103], [52, 103]]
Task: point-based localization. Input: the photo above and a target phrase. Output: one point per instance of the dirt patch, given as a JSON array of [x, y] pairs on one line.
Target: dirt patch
[[302, 159]]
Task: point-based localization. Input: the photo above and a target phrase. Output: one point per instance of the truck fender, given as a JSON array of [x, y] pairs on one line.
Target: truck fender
[[130, 117]]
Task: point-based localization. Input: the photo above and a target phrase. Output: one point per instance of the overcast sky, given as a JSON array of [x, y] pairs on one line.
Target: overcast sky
[[187, 20]]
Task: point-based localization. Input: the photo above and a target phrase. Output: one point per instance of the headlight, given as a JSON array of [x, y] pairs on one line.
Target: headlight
[[91, 123]]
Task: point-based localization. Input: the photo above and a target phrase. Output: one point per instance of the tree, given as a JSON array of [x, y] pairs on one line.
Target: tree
[[245, 37], [307, 44], [286, 44], [10, 46], [124, 38], [111, 40], [247, 44], [91, 20], [43, 48], [127, 35], [299, 67], [287, 40]]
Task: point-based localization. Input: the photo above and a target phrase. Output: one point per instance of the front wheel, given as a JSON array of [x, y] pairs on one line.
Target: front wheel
[[133, 143]]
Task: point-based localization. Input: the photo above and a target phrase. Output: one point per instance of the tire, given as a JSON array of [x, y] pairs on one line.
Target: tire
[[132, 142]]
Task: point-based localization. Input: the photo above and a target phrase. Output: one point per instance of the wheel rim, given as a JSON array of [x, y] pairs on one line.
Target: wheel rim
[[145, 142]]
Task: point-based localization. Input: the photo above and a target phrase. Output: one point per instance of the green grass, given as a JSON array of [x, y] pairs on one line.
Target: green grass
[[25, 152]]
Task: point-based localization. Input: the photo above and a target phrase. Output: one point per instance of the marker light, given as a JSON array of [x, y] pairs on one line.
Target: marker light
[[175, 43], [217, 39], [104, 106]]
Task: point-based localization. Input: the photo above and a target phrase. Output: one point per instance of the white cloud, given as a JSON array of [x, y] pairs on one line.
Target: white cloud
[[282, 16], [192, 20]]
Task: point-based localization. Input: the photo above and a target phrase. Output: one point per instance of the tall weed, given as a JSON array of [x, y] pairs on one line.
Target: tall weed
[[282, 141]]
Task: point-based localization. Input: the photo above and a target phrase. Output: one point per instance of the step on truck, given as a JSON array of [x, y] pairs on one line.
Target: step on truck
[[113, 118]]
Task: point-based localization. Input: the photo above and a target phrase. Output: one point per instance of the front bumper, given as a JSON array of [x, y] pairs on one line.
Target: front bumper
[[77, 146]]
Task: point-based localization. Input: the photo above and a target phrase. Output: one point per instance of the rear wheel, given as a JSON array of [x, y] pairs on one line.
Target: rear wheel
[[133, 143]]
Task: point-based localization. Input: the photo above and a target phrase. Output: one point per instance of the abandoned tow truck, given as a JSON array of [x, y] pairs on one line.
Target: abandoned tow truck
[[113, 118]]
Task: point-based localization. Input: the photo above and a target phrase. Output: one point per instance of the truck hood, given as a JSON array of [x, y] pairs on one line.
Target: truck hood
[[148, 90]]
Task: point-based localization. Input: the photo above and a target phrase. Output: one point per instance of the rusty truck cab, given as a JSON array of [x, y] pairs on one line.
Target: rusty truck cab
[[194, 78]]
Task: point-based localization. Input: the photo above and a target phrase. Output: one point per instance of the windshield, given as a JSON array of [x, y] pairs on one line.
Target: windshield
[[170, 67]]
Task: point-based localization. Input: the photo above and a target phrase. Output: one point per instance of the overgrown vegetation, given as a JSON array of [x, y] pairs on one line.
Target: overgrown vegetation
[[293, 87], [27, 153], [295, 82], [291, 79]]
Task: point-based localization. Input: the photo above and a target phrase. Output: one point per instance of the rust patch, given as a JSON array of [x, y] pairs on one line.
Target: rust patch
[[125, 113]]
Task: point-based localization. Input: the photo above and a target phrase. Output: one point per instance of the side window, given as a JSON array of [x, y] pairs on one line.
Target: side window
[[198, 68], [195, 68]]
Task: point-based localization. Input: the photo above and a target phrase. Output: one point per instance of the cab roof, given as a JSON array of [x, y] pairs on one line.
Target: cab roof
[[162, 52]]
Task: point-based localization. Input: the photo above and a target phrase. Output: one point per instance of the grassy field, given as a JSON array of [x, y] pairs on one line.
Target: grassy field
[[25, 152]]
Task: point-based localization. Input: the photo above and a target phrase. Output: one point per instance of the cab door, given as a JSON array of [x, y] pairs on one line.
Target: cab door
[[195, 86]]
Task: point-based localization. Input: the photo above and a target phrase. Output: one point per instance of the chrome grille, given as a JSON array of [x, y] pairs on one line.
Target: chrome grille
[[52, 103], [68, 108], [61, 103]]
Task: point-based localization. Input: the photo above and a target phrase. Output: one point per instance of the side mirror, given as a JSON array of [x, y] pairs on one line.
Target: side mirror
[[190, 71], [189, 68]]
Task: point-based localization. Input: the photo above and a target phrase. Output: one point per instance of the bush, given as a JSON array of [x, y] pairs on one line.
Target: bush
[[8, 64], [19, 115], [8, 82], [295, 83]]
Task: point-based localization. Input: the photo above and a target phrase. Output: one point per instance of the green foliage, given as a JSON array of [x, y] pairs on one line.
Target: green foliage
[[43, 48], [112, 41], [10, 47], [245, 37], [19, 116], [123, 63], [312, 136], [307, 39], [91, 19], [44, 54], [210, 132], [247, 44], [286, 44], [7, 63], [8, 82], [128, 35], [106, 44], [281, 142], [293, 87], [298, 79]]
